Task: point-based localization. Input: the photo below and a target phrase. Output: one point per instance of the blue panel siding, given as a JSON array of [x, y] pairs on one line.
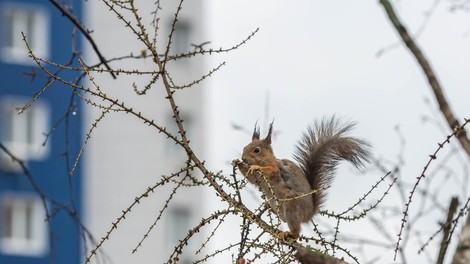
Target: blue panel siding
[[50, 173]]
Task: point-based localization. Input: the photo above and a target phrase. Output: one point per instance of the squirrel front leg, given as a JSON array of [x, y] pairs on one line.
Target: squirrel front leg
[[250, 171], [270, 171]]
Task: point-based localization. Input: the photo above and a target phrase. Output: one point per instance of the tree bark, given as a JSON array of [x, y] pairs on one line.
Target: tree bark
[[446, 229]]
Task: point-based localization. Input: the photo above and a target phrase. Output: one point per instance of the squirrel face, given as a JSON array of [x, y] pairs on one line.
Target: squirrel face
[[259, 151]]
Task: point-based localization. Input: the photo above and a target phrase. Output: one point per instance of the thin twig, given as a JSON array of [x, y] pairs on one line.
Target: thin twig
[[430, 75], [85, 33]]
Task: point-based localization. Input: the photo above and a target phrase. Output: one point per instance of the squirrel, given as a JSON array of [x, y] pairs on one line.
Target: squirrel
[[296, 191]]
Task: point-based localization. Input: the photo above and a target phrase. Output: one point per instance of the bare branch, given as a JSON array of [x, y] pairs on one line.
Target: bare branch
[[85, 33], [444, 243], [430, 75]]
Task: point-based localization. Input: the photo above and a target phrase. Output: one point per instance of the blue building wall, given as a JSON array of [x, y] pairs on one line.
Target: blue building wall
[[49, 169]]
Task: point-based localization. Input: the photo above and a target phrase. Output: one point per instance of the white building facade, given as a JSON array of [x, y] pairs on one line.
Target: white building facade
[[124, 157]]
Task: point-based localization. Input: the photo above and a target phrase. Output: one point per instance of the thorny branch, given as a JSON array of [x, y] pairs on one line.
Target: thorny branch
[[432, 157], [430, 75], [259, 227], [458, 130], [85, 33]]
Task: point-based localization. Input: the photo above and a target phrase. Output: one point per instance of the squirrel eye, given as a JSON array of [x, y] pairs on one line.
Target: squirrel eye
[[257, 150]]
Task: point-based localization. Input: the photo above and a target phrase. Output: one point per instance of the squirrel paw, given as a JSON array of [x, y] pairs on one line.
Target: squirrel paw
[[253, 169], [284, 235], [236, 162]]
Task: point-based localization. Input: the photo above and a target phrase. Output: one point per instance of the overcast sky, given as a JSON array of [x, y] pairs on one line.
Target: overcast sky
[[318, 58]]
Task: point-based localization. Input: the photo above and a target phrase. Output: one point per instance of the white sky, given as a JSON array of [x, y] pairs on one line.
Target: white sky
[[318, 58]]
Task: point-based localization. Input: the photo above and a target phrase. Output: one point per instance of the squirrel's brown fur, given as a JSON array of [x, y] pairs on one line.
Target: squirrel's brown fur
[[296, 191]]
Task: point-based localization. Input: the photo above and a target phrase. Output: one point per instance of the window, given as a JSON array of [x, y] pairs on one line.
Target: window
[[23, 134], [179, 219], [180, 40], [178, 224], [33, 22], [23, 227]]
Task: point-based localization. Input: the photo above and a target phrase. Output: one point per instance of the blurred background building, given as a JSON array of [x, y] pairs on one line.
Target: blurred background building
[[308, 60], [36, 138], [124, 157]]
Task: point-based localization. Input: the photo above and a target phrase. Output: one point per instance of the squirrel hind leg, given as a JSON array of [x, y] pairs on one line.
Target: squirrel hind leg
[[294, 227]]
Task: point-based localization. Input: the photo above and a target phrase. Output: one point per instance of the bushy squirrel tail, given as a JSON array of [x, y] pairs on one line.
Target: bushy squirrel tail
[[322, 147]]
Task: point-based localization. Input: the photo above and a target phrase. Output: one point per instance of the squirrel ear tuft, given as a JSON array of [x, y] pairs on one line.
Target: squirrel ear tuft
[[270, 132], [255, 132]]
